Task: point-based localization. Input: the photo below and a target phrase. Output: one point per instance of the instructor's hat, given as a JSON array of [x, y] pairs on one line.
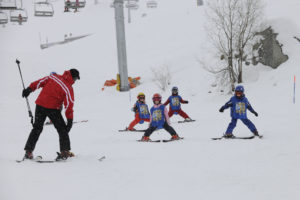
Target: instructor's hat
[[75, 74]]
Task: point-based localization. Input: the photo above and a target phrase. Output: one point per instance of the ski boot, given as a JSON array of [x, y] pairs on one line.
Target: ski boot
[[228, 135], [255, 133], [64, 155], [175, 137], [145, 139], [28, 155]]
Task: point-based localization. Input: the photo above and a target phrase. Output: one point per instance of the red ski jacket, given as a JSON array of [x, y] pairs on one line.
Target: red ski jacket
[[57, 90]]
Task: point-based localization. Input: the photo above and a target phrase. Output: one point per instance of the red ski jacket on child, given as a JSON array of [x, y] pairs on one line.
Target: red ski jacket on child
[[57, 90]]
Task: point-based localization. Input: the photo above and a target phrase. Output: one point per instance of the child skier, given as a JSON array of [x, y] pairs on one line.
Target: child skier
[[239, 105], [141, 112], [159, 119], [175, 105]]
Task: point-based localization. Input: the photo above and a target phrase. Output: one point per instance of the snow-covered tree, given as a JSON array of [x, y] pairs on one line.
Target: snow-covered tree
[[231, 26]]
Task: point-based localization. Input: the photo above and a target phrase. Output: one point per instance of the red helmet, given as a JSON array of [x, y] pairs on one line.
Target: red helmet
[[156, 97]]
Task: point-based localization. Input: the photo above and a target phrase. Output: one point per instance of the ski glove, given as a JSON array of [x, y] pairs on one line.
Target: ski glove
[[221, 109], [26, 92], [134, 109], [69, 124], [255, 113], [186, 102]]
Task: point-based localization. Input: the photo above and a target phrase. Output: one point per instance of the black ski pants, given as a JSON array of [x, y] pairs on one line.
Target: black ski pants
[[166, 126], [55, 116]]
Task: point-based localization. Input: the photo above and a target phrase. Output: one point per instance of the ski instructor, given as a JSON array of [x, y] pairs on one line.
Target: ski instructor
[[57, 90]]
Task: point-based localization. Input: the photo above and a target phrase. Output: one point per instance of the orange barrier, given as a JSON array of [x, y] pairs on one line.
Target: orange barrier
[[133, 82]]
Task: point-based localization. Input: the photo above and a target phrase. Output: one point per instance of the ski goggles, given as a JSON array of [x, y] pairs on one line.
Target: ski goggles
[[238, 92], [156, 99]]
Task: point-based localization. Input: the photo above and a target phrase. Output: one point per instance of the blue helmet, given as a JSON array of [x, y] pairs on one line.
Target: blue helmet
[[52, 73], [174, 88], [239, 88]]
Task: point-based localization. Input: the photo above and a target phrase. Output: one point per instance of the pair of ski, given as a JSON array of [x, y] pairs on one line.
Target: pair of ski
[[82, 121], [236, 137], [169, 140], [39, 159]]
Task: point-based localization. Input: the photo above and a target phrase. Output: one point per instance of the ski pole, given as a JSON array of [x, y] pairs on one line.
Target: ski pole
[[28, 106], [130, 96], [294, 99]]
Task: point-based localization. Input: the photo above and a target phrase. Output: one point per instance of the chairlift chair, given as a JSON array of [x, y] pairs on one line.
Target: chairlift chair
[[8, 5], [43, 9], [3, 18], [19, 15], [73, 4], [151, 4], [132, 5]]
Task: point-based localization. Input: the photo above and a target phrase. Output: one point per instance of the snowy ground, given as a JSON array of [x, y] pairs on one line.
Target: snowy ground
[[194, 168]]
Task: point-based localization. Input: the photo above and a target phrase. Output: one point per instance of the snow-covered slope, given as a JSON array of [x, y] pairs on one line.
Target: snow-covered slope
[[194, 168]]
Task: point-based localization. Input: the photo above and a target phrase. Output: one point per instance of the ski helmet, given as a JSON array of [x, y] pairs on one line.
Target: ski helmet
[[156, 97], [52, 73], [141, 95], [175, 90], [75, 74], [239, 91], [239, 88]]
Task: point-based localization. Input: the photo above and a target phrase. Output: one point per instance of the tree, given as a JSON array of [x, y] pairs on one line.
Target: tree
[[231, 26], [249, 13]]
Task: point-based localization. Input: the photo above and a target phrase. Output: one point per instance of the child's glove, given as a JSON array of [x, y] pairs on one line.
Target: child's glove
[[221, 109], [134, 109], [255, 113]]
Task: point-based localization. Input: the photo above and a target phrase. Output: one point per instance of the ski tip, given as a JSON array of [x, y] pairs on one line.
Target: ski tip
[[217, 138]]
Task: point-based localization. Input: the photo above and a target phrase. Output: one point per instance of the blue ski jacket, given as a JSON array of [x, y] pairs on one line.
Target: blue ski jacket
[[158, 117], [143, 110], [238, 107]]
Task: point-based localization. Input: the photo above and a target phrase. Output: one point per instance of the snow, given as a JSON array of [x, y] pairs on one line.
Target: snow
[[194, 168]]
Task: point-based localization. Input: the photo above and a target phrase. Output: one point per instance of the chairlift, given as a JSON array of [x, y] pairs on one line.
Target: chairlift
[[19, 15], [132, 5], [151, 4], [75, 3], [43, 9], [3, 18], [8, 4]]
